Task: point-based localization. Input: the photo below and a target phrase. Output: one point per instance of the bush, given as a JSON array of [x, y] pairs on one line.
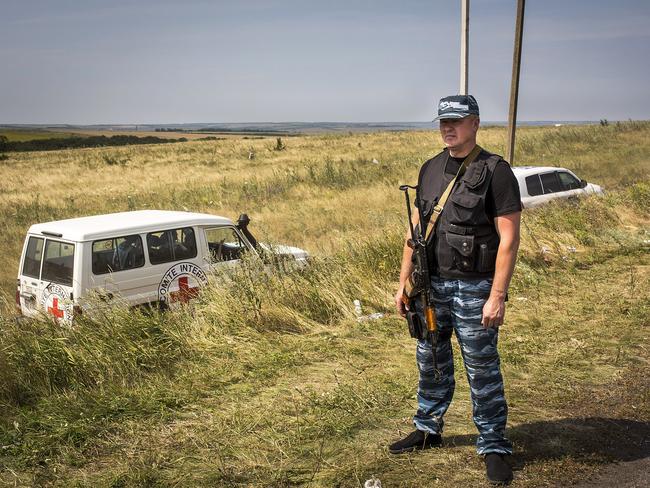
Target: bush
[[279, 145], [112, 160], [56, 144], [639, 195]]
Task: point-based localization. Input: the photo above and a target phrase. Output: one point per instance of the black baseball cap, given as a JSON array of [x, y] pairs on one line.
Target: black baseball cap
[[457, 107]]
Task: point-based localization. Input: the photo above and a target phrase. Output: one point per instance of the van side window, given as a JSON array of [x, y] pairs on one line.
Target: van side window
[[58, 262], [550, 182], [33, 256], [171, 245], [224, 244], [533, 185], [117, 254], [568, 181], [184, 243]]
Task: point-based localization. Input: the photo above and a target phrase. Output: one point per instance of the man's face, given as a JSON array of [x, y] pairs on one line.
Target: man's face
[[458, 132]]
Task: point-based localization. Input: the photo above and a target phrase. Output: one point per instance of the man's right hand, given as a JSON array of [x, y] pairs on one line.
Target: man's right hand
[[399, 304]]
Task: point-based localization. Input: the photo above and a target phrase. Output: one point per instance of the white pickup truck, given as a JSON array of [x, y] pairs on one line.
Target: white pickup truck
[[142, 257], [541, 184]]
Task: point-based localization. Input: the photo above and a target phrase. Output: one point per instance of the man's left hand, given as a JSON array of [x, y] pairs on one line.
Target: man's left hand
[[494, 311]]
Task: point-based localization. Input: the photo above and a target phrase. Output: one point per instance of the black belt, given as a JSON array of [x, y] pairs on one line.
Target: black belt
[[470, 231]]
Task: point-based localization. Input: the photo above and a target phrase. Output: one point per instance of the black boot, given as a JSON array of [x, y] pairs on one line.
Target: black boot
[[497, 469], [415, 441]]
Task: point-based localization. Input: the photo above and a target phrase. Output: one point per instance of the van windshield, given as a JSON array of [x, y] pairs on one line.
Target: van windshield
[[58, 262]]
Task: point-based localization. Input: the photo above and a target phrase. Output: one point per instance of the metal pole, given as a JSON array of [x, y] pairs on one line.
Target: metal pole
[[464, 46], [514, 84]]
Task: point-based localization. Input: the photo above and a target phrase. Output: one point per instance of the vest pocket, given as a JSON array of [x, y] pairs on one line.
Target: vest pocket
[[463, 207], [463, 251], [475, 175]]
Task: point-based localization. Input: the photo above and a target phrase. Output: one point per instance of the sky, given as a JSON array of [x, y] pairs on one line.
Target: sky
[[145, 61]]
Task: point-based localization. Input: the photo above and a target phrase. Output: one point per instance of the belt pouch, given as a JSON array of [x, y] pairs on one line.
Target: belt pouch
[[463, 246], [417, 330]]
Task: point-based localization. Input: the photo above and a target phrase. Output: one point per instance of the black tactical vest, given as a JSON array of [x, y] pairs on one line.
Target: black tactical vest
[[465, 243]]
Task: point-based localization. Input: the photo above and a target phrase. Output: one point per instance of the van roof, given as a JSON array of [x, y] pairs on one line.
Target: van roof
[[529, 170], [124, 223]]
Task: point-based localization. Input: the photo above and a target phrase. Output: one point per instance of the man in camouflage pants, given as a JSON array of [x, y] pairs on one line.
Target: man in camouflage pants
[[472, 259]]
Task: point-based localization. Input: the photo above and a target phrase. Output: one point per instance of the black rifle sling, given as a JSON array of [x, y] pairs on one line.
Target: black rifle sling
[[409, 286]]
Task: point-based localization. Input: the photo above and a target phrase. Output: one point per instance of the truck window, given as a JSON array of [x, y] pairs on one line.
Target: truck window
[[171, 245], [224, 244], [117, 254], [58, 262], [533, 185], [183, 243], [33, 256], [568, 181], [550, 182]]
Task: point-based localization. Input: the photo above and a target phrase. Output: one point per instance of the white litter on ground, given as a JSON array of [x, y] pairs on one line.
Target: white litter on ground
[[372, 483], [372, 316], [358, 311], [357, 308]]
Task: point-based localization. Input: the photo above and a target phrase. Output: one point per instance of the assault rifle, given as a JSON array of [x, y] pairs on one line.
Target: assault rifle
[[418, 285]]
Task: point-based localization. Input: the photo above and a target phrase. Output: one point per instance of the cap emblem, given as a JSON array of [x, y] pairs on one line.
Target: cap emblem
[[455, 105]]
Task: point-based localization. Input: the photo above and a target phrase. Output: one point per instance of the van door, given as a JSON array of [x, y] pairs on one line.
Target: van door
[[30, 275], [118, 269], [551, 185], [48, 290], [176, 265], [225, 247]]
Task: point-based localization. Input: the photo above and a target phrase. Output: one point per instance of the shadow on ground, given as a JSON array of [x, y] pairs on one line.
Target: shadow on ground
[[594, 440]]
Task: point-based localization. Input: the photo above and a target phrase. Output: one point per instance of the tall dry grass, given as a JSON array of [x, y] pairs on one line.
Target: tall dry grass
[[268, 379], [320, 189]]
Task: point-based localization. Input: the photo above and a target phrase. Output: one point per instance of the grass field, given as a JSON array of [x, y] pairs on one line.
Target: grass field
[[272, 381], [20, 135]]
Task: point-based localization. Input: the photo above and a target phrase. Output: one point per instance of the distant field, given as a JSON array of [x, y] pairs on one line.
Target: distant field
[[30, 135], [269, 380], [162, 134]]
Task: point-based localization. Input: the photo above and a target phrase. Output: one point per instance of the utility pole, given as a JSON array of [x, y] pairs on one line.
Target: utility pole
[[514, 84], [464, 46]]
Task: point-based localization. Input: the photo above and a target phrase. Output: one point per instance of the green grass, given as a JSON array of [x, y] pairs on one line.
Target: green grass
[[269, 380]]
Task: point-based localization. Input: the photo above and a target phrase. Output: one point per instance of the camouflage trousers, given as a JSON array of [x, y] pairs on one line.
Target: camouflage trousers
[[459, 308]]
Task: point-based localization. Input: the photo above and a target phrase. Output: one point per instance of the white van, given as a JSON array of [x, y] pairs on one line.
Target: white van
[[143, 257], [541, 184]]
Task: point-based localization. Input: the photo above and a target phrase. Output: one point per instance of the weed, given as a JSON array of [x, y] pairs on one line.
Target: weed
[[112, 160]]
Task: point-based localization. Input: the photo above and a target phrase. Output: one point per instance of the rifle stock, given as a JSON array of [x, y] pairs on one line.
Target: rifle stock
[[430, 315]]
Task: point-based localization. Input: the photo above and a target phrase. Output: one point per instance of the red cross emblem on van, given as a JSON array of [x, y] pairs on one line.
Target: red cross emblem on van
[[185, 291], [55, 310], [188, 277]]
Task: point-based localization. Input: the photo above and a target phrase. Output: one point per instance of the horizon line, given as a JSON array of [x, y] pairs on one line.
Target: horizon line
[[151, 124]]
